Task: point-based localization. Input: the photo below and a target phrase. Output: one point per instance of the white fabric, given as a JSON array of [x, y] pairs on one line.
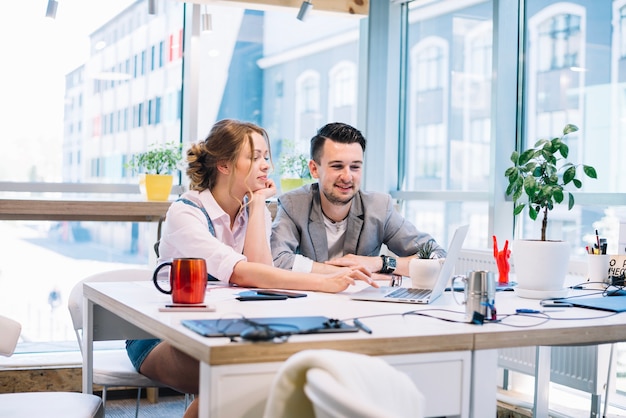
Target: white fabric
[[302, 264], [335, 235], [50, 404], [10, 331], [186, 234], [371, 382]]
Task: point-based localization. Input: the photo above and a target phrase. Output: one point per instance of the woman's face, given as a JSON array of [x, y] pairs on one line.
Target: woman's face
[[259, 160]]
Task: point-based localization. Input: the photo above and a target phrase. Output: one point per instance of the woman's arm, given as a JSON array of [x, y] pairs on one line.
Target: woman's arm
[[248, 274], [257, 247]]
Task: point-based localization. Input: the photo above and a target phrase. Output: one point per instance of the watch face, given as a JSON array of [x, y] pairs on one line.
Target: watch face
[[391, 263]]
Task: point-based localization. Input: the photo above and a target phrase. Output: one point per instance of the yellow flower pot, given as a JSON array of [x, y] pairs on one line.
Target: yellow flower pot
[[287, 184], [157, 186]]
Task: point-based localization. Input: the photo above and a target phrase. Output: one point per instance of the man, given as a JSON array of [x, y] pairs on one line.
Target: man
[[332, 223]]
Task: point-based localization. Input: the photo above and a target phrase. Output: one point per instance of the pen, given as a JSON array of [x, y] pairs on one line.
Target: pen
[[362, 326], [527, 311]]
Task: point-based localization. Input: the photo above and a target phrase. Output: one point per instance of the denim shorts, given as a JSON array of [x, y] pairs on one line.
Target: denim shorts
[[138, 350]]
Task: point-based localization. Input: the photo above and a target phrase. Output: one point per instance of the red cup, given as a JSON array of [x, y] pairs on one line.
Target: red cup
[[188, 279]]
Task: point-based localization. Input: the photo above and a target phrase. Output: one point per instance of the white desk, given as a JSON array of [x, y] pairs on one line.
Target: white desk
[[454, 364]]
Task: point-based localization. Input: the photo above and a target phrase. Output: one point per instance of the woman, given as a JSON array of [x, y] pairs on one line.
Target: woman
[[228, 174]]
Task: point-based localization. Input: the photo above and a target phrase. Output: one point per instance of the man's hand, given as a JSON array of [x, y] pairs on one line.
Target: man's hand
[[373, 264]]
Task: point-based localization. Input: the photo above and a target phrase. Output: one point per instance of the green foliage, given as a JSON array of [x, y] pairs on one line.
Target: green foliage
[[293, 164], [541, 173], [426, 249], [159, 159]]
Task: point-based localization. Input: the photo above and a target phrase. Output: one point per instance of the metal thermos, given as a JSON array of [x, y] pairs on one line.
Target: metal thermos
[[479, 295]]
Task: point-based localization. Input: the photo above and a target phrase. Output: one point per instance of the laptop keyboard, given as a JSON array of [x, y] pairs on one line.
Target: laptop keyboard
[[408, 293]]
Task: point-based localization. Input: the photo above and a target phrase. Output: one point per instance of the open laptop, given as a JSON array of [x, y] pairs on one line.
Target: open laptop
[[410, 295]]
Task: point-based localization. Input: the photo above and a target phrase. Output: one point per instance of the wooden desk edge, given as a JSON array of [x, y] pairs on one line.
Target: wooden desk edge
[[589, 335]]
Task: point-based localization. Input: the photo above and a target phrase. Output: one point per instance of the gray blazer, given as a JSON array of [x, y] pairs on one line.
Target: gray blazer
[[299, 227]]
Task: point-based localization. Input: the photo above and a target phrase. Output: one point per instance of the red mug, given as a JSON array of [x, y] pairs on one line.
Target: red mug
[[188, 279]]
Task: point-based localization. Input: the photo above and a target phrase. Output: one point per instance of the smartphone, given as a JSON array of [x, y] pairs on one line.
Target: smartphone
[[556, 304], [281, 292], [253, 295]]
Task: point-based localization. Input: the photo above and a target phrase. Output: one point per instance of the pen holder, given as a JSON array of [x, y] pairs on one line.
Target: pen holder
[[597, 271]]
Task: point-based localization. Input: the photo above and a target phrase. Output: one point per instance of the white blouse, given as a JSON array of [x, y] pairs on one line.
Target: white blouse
[[186, 234]]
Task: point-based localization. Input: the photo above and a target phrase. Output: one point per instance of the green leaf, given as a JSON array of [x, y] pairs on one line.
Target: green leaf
[[564, 149], [569, 174], [590, 171], [577, 183], [532, 213], [569, 128], [514, 157], [518, 209], [526, 156], [558, 195], [570, 204]]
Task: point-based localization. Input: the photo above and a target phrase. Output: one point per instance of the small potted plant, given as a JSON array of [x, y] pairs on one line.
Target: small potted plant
[[541, 174], [424, 268], [294, 168], [156, 167]]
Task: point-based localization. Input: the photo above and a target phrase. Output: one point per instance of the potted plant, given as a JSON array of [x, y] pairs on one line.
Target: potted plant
[[541, 174], [156, 166], [294, 168], [424, 269]]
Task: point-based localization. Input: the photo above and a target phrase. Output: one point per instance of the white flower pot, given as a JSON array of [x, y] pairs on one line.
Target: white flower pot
[[424, 272], [540, 268]]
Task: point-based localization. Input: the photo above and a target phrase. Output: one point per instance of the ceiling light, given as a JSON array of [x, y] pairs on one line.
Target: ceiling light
[[304, 9], [51, 10], [152, 7]]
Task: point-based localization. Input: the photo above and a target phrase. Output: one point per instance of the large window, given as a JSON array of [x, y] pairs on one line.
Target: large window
[[459, 132], [123, 80]]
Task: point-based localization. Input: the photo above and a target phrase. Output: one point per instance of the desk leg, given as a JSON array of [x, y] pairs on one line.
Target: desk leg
[[204, 392], [87, 348], [483, 401], [542, 382]]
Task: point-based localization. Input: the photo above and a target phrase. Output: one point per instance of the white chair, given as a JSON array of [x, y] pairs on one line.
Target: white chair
[[111, 368], [330, 383], [41, 404]]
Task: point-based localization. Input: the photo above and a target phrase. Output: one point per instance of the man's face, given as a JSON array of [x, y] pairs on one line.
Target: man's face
[[339, 171]]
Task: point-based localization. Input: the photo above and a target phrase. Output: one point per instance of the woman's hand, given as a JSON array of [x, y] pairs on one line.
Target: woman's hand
[[339, 281], [268, 191]]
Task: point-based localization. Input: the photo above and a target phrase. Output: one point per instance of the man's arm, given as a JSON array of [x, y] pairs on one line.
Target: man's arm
[[285, 239]]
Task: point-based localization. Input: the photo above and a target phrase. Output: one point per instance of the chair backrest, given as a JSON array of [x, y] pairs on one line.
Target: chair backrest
[[330, 383], [10, 331], [75, 300]]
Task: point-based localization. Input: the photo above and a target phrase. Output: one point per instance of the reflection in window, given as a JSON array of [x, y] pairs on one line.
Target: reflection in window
[[426, 150], [559, 42], [307, 104], [342, 93]]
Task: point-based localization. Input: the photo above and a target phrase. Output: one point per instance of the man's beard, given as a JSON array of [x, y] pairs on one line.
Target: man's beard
[[334, 200]]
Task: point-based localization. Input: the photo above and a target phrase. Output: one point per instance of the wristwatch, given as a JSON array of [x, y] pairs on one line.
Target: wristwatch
[[389, 265]]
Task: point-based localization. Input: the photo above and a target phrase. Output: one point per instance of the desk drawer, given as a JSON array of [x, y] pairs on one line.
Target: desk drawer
[[444, 379]]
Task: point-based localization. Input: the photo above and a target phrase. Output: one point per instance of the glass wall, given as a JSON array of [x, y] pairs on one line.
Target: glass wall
[[111, 80], [458, 134], [448, 115]]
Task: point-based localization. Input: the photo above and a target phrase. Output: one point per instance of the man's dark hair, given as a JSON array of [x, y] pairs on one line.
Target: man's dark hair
[[338, 132]]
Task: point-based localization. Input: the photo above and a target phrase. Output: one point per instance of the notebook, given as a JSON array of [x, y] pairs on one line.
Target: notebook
[[410, 295], [605, 303]]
